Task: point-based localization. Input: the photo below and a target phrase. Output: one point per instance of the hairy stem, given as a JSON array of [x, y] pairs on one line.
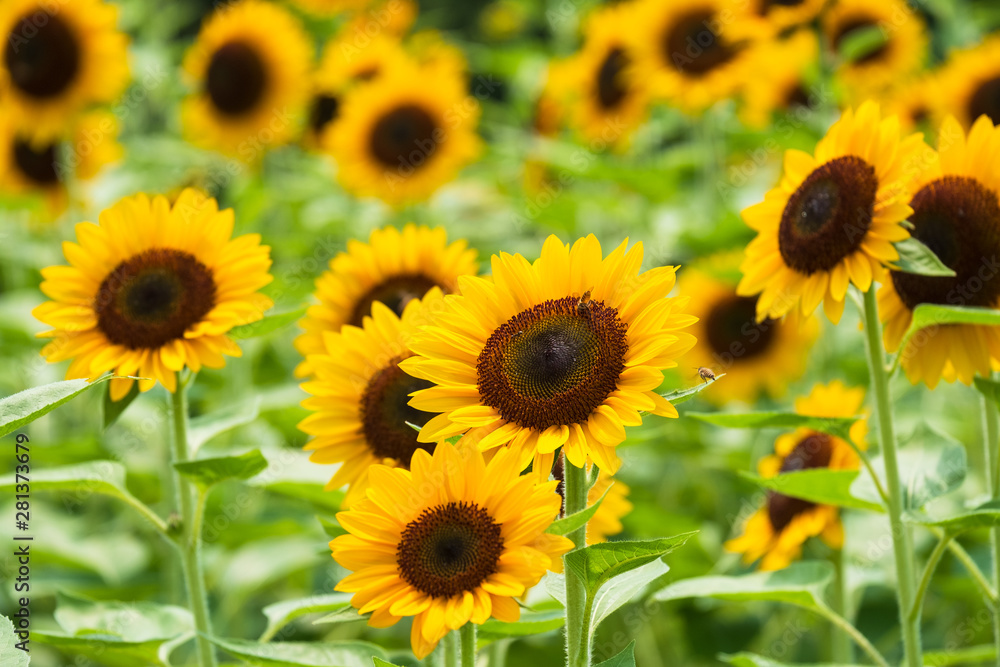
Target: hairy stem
[[577, 625], [992, 460], [842, 649], [469, 645], [451, 649]]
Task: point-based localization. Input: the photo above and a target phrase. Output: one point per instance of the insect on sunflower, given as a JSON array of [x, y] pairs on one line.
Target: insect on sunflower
[[151, 289], [562, 352], [451, 541]]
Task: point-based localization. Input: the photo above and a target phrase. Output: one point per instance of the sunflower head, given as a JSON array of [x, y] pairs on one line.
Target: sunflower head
[[151, 289], [777, 16], [562, 352], [450, 541], [784, 72], [834, 217], [971, 83], [777, 531]]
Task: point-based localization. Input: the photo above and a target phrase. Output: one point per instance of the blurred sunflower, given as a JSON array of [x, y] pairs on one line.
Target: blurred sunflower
[[389, 17], [360, 395], [611, 102], [900, 53], [917, 102], [688, 54], [249, 65], [785, 68], [778, 530], [328, 7], [393, 268], [956, 213], [756, 357], [404, 135], [550, 112], [152, 289], [58, 61], [453, 540], [563, 352], [432, 51], [971, 83], [779, 15], [833, 218]]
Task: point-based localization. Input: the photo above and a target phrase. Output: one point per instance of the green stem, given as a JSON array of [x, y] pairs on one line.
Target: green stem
[[992, 461], [970, 565], [469, 645], [925, 580], [577, 623], [451, 649], [854, 634], [902, 547], [190, 544], [842, 651], [498, 653]]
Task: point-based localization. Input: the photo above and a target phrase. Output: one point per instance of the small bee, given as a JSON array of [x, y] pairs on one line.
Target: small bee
[[707, 374], [583, 305]]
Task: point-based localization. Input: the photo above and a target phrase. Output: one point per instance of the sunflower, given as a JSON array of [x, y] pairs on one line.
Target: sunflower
[[360, 396], [757, 357], [901, 54], [58, 61], [971, 83], [152, 289], [834, 217], [453, 540], [778, 530], [779, 15], [248, 65], [916, 101], [562, 352], [611, 102], [389, 17], [607, 520], [956, 213], [404, 135], [393, 268], [786, 68], [430, 50], [689, 54]]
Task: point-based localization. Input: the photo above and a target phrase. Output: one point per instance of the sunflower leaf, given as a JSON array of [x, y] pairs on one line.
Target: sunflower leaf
[[530, 623], [268, 324], [753, 660], [114, 409], [282, 613], [681, 395], [303, 654], [26, 406], [624, 659], [8, 640], [209, 472], [379, 662], [986, 515], [568, 524], [819, 485], [801, 584], [930, 316], [839, 427], [346, 614], [917, 258], [988, 388]]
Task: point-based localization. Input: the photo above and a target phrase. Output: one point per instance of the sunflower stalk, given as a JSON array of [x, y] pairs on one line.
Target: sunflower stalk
[[451, 649], [842, 651], [992, 459], [577, 623], [190, 506], [902, 543], [469, 645]]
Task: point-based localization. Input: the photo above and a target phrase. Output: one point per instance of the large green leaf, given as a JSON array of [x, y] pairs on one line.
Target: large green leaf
[[598, 564], [915, 257], [568, 524], [929, 315], [986, 515], [112, 410], [13, 657], [282, 613], [530, 623], [26, 406], [626, 587], [379, 662], [207, 472], [820, 485], [624, 659], [801, 584], [835, 426], [304, 654], [753, 660], [267, 325], [216, 423]]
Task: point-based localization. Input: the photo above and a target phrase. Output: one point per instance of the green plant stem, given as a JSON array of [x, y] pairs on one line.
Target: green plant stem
[[925, 580], [992, 461], [842, 650], [469, 645], [970, 565], [902, 547], [498, 653], [190, 541], [854, 634], [577, 625], [451, 649]]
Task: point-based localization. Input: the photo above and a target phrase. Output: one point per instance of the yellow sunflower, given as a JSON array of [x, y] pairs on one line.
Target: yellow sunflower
[[563, 352], [152, 289], [404, 135], [687, 51], [607, 520], [786, 69], [360, 396], [389, 17], [453, 540], [781, 15], [917, 102], [778, 530], [59, 59], [249, 66], [611, 102], [956, 213], [393, 268], [833, 218], [901, 54], [971, 83], [430, 49], [757, 357]]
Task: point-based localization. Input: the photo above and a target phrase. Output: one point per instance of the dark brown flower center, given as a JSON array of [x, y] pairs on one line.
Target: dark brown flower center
[[797, 97], [553, 364], [37, 165], [692, 46], [813, 451], [325, 109], [959, 219], [152, 298], [405, 137], [449, 549], [731, 328], [766, 5], [385, 411], [394, 292], [42, 55], [986, 101], [611, 87], [236, 79], [854, 26], [827, 218]]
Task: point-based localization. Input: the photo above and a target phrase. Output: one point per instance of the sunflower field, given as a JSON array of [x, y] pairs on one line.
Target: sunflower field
[[489, 333]]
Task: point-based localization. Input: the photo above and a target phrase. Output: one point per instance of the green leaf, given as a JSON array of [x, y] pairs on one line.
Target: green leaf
[[988, 388], [110, 651], [570, 523], [379, 662], [753, 660], [26, 406], [282, 613], [681, 395], [208, 472], [916, 258], [930, 315], [836, 426], [8, 638], [973, 655], [801, 584], [626, 587], [861, 42], [312, 493], [114, 409], [269, 324], [597, 564], [819, 485], [216, 423], [346, 614], [331, 528], [530, 623], [624, 659], [303, 654], [986, 515]]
